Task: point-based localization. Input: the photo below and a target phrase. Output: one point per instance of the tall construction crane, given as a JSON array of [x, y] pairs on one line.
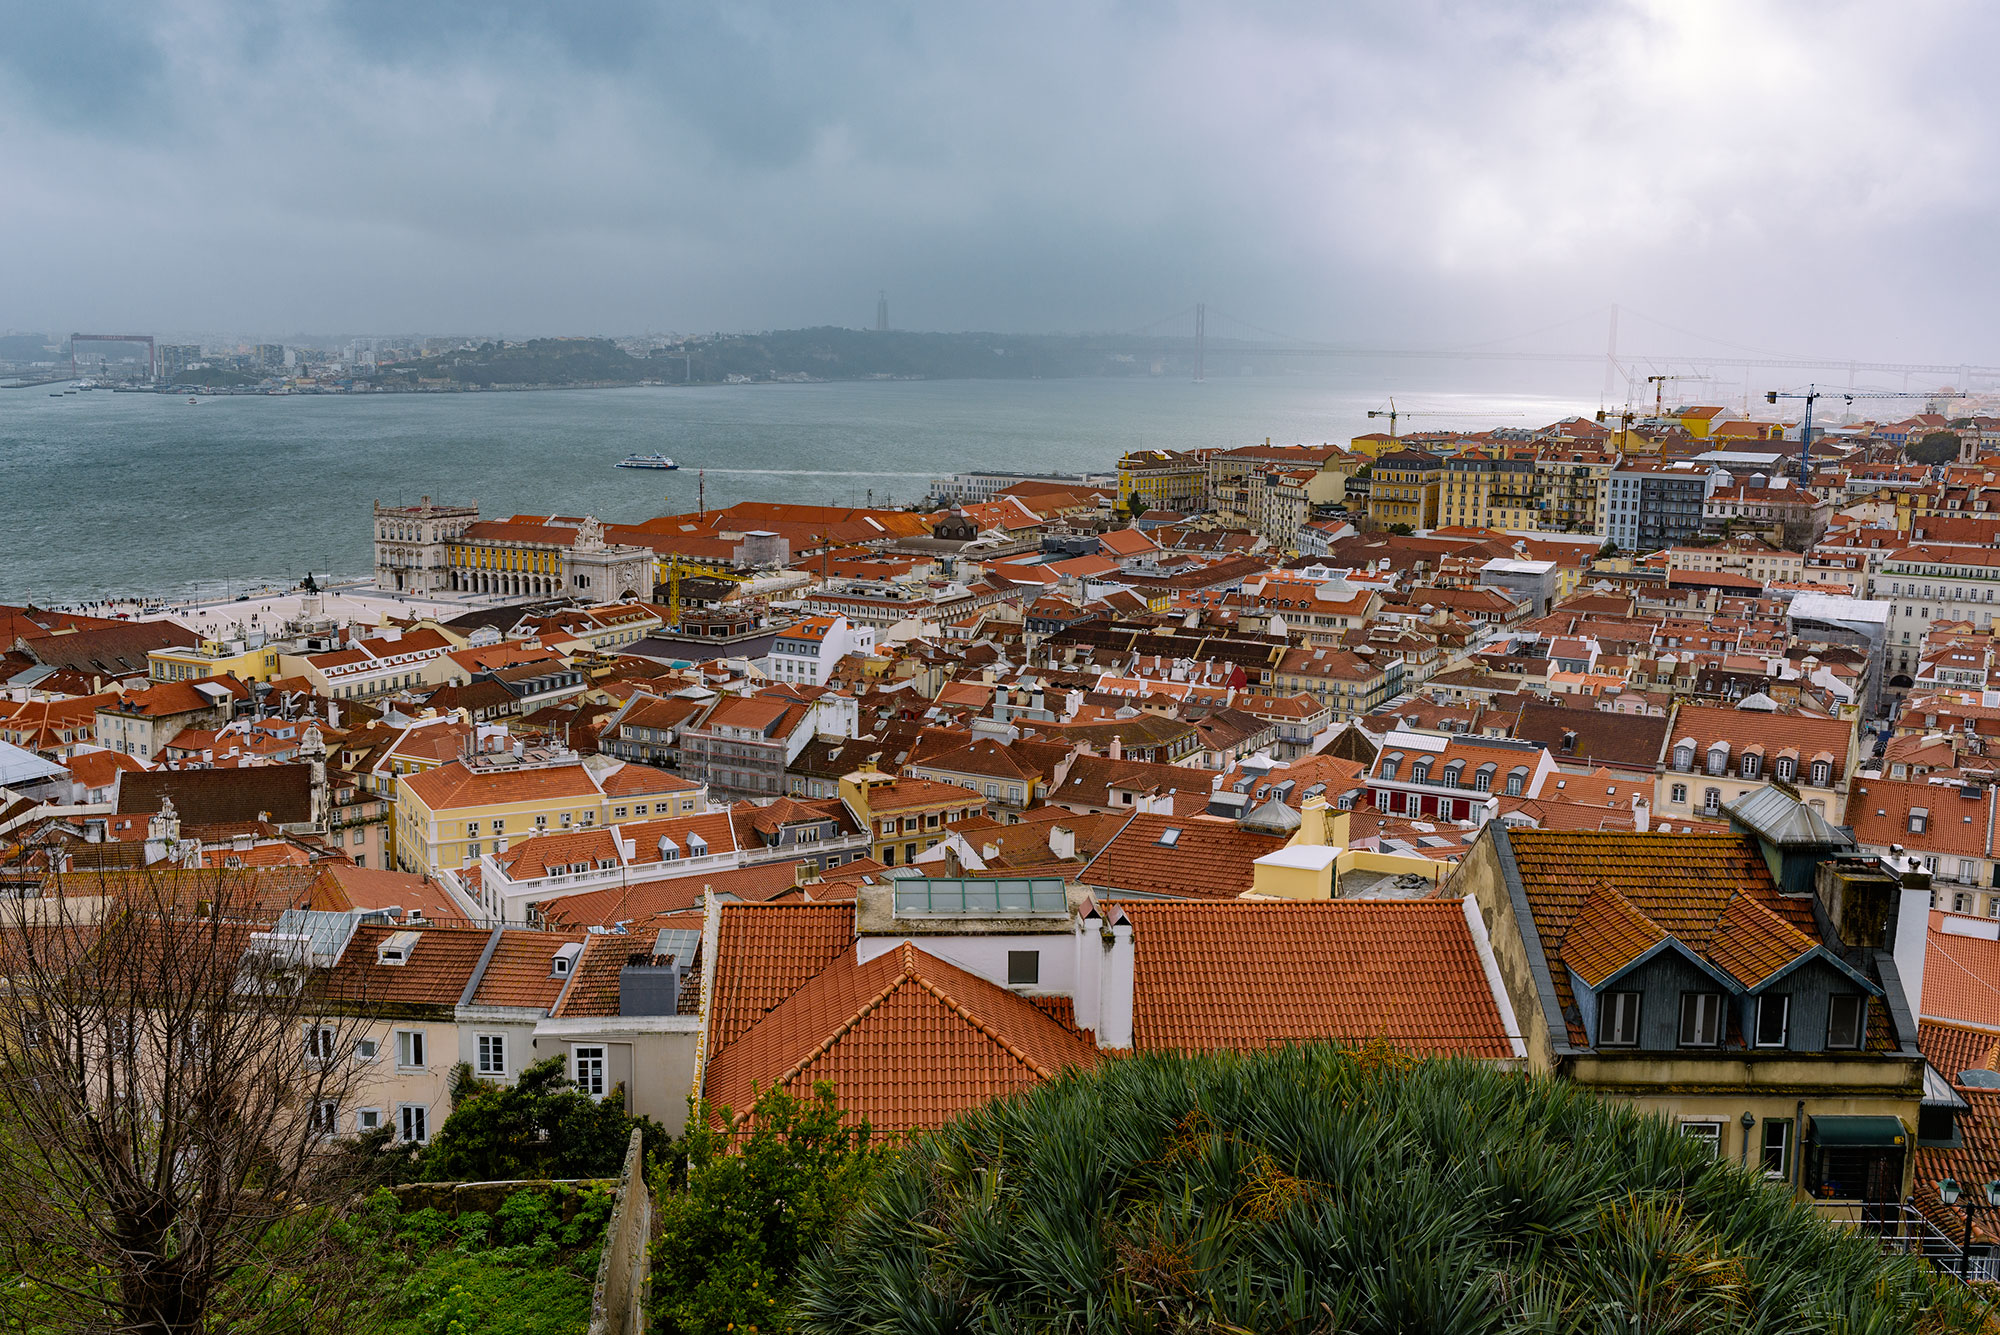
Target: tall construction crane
[[1659, 384], [1392, 412], [1812, 395]]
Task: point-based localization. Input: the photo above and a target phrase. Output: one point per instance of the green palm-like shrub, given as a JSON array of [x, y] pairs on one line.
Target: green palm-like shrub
[[1327, 1189]]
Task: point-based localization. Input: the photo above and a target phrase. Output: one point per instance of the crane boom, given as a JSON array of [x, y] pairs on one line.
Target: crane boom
[[1812, 395]]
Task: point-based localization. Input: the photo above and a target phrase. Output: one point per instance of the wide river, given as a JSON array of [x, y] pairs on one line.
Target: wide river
[[122, 494]]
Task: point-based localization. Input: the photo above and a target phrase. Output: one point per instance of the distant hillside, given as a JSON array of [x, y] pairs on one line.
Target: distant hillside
[[801, 354]]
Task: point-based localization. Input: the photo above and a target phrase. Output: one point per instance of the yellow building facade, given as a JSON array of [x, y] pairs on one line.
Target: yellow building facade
[[1404, 488]]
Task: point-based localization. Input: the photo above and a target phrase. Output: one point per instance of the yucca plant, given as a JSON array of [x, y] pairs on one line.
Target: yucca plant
[[1314, 1189]]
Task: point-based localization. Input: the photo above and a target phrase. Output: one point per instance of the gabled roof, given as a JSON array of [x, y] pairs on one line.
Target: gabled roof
[[1607, 936], [1249, 974], [766, 952], [1684, 884], [907, 1040]]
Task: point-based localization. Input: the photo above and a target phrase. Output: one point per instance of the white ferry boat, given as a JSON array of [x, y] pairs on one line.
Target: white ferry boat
[[647, 461]]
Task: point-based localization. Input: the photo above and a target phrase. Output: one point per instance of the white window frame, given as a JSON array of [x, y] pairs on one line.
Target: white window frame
[[413, 1118], [589, 1064], [411, 1051], [489, 1054], [362, 1124], [321, 1040], [1707, 1130], [367, 1050]]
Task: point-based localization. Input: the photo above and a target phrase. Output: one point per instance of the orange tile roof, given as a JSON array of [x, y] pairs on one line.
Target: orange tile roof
[[435, 974], [1961, 978], [520, 973], [1751, 942], [1246, 975], [1208, 859], [1956, 1048], [1681, 882], [631, 780], [453, 786], [766, 952], [1608, 934], [650, 899], [907, 1040]]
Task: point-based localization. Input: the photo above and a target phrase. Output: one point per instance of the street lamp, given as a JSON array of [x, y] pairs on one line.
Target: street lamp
[[1948, 1193]]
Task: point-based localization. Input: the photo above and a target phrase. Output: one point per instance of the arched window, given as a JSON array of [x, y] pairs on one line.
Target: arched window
[[1718, 758], [1822, 773], [1684, 757], [1753, 765], [1421, 771], [1482, 778], [1517, 781], [1786, 769]]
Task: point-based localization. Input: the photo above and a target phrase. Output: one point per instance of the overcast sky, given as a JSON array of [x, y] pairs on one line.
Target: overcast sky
[[1814, 177]]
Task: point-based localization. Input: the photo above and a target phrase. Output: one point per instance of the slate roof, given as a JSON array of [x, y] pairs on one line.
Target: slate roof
[[908, 1040], [1249, 974], [281, 794]]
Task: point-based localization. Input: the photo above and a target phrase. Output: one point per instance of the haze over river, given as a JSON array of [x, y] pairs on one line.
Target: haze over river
[[123, 494]]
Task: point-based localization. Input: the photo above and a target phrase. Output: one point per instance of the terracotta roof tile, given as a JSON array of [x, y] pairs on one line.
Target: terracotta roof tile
[[521, 972], [1751, 942], [1207, 858], [1250, 974], [1608, 934], [1956, 1048], [1961, 978], [434, 974], [766, 952], [1681, 882], [908, 1041]]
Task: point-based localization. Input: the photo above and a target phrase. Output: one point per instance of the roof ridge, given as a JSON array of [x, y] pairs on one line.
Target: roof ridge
[[825, 1045], [963, 1012]]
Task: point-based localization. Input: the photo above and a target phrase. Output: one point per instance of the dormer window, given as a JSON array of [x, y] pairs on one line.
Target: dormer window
[[1517, 781], [1684, 756], [1786, 769], [564, 962], [394, 952], [1420, 772], [1752, 766], [1618, 1020], [1391, 765], [1718, 758], [1920, 819], [1822, 774]]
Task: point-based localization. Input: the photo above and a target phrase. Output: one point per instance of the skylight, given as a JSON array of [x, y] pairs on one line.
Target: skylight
[[1170, 836]]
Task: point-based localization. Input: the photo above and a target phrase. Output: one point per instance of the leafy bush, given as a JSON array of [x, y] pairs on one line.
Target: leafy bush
[[738, 1213], [1313, 1189], [518, 1271], [541, 1126]]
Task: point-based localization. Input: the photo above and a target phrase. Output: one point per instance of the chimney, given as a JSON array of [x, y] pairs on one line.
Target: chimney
[[1116, 750], [1062, 842], [1104, 973]]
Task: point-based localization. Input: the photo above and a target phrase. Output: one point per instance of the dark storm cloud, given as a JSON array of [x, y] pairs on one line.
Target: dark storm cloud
[[1800, 176]]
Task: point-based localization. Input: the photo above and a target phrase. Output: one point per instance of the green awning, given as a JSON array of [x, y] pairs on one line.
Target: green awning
[[1859, 1132]]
